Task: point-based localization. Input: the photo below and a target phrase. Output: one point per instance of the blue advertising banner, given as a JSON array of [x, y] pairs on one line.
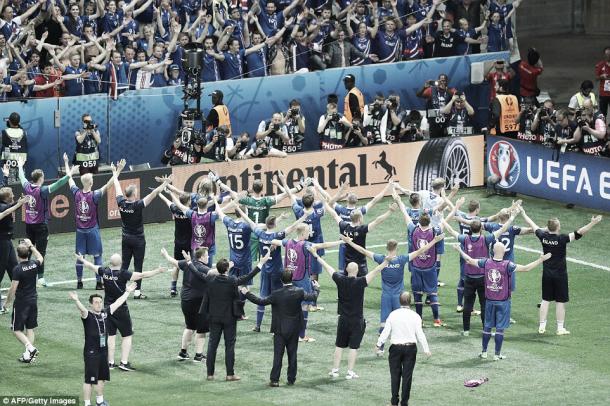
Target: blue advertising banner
[[532, 169], [141, 124]]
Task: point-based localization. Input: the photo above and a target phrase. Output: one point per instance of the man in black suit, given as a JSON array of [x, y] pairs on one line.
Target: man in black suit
[[286, 323], [220, 306]]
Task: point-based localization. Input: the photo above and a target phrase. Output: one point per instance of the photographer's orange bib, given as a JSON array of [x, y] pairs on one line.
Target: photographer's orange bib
[[509, 111]]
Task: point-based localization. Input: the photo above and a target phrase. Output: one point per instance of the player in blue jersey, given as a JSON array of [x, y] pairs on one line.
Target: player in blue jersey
[[393, 275], [272, 270]]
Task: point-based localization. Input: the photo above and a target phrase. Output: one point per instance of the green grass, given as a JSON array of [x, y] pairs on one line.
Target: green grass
[[539, 370]]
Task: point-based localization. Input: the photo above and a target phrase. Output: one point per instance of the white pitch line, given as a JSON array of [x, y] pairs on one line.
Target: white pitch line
[[519, 247]]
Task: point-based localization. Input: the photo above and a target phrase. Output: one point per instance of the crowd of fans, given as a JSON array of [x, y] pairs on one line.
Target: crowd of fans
[[51, 48]]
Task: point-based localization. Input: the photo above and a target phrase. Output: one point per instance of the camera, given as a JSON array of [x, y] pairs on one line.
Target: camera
[[90, 125], [433, 83], [335, 116], [392, 102], [294, 111], [276, 127]]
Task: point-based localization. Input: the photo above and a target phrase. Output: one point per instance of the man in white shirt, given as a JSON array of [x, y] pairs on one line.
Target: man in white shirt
[[405, 327]]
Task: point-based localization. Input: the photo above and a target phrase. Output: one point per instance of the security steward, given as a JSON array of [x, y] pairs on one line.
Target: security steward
[[353, 104], [504, 112]]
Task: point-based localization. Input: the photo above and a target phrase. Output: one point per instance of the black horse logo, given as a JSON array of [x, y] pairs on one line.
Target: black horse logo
[[390, 169]]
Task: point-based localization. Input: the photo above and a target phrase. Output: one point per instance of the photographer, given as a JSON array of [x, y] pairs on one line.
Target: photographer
[[412, 127], [458, 112], [590, 135], [355, 136], [14, 145], [274, 132], [240, 147], [186, 148], [88, 140], [374, 125], [566, 130], [295, 125], [218, 142], [332, 128], [544, 123], [393, 118], [437, 94], [526, 118], [577, 102]]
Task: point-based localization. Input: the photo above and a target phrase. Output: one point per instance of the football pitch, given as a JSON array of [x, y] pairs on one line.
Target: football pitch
[[539, 369]]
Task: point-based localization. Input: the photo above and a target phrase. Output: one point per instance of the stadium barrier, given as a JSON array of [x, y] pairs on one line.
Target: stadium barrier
[[366, 169], [535, 170], [140, 124]]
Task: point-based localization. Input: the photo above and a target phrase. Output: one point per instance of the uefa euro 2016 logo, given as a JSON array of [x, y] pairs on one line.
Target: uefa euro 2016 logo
[[503, 163]]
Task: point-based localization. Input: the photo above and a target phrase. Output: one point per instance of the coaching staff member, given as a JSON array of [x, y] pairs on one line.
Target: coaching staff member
[[220, 305], [555, 270], [23, 291], [133, 243], [351, 324], [404, 325], [95, 352], [286, 323]]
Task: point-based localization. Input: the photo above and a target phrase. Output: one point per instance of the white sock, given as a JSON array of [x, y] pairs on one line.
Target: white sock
[[29, 347], [87, 403], [335, 370], [543, 324], [99, 398], [559, 325], [136, 292]]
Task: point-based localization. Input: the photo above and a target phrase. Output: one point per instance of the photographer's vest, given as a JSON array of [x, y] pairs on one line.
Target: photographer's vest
[[588, 143], [332, 136], [459, 123], [525, 130], [87, 153], [373, 130], [581, 99], [14, 146], [509, 110], [392, 131], [296, 137], [223, 116], [347, 112]]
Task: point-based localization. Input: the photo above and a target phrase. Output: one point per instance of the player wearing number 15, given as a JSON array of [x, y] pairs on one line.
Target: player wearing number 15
[[239, 233], [504, 111]]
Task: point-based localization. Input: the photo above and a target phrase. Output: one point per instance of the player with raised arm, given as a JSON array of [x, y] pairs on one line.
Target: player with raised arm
[[393, 275], [555, 270], [497, 279], [133, 241], [476, 245], [88, 239], [115, 278], [95, 353], [351, 323], [182, 235], [271, 272], [357, 231], [424, 277]]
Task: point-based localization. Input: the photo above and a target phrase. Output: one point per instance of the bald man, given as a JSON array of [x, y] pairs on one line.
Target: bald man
[[115, 282]]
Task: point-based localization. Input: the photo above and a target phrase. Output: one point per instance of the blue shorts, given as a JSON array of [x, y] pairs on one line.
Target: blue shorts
[[315, 267], [424, 281], [389, 303], [497, 314], [306, 285], [88, 241], [270, 282]]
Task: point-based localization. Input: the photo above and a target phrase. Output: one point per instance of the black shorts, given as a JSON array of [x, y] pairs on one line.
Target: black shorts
[[350, 332], [120, 320], [555, 288], [96, 368], [25, 316], [178, 248]]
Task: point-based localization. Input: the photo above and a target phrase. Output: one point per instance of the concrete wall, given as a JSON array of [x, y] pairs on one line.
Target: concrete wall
[[544, 17]]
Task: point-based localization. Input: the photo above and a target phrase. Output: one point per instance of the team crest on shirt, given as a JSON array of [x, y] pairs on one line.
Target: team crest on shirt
[[292, 255], [83, 207], [495, 277], [32, 202], [199, 231], [420, 244]]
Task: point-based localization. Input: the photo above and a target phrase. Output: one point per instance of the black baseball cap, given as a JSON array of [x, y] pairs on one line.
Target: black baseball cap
[[216, 93], [349, 78]]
